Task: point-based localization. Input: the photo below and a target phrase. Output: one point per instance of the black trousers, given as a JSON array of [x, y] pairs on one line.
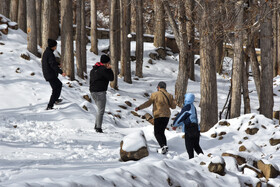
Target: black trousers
[[160, 125], [56, 90], [192, 144]]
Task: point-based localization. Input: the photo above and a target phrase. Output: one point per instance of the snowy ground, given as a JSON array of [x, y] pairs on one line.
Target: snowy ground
[[61, 148]]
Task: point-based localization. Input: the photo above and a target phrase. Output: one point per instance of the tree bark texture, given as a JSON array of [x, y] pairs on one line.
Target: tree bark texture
[[39, 21], [93, 33], [139, 38], [84, 37], [14, 10], [46, 15], [31, 27], [208, 85], [266, 40], [245, 76], [278, 39], [275, 34], [78, 40], [67, 57], [22, 15], [114, 40], [5, 8], [237, 71], [54, 29], [159, 30]]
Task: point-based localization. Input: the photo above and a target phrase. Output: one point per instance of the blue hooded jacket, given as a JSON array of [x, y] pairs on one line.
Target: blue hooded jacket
[[188, 113]]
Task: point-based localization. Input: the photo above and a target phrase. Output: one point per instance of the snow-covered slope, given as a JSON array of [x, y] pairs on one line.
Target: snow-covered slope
[[61, 148]]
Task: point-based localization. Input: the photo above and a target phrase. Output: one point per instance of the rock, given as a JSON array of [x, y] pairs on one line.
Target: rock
[[32, 74], [274, 141], [202, 163], [85, 108], [240, 160], [214, 135], [126, 146], [146, 95], [222, 133], [161, 53], [86, 97], [217, 167], [118, 116], [128, 103], [25, 56], [154, 56], [251, 131], [149, 118], [220, 138], [242, 148], [4, 28], [224, 123], [123, 107], [268, 170], [135, 114], [18, 70], [150, 61], [257, 171]]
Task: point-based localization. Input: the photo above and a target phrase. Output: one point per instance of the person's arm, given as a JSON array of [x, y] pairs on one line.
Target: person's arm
[[183, 115], [109, 74], [146, 104], [54, 65]]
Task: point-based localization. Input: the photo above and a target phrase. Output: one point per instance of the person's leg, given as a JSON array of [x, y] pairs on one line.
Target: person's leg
[[100, 101], [159, 128], [189, 145], [197, 147], [56, 90]]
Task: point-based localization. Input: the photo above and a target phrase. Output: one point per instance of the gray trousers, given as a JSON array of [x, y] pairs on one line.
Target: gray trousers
[[100, 101]]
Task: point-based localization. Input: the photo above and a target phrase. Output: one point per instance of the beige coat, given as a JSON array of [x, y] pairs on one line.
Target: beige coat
[[160, 103]]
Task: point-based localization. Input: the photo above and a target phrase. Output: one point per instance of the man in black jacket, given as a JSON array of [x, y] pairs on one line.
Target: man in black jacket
[[51, 69], [100, 75]]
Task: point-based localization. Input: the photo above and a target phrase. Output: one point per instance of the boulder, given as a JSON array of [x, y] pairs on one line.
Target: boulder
[[217, 165], [134, 147], [224, 123], [258, 172], [240, 160], [274, 141], [251, 131], [4, 29], [128, 103], [268, 170], [154, 56], [161, 53], [149, 118]]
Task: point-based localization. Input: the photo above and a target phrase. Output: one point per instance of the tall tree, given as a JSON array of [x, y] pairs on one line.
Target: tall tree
[[266, 96], [114, 38], [54, 30], [190, 5], [93, 32], [125, 40], [39, 21], [22, 15], [79, 62], [278, 37], [14, 10], [5, 8], [83, 37], [245, 77], [236, 80], [31, 27], [181, 41], [67, 57], [275, 37], [139, 38], [159, 26], [208, 85], [46, 16]]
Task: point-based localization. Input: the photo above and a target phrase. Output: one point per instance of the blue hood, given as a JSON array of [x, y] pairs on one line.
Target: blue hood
[[189, 98]]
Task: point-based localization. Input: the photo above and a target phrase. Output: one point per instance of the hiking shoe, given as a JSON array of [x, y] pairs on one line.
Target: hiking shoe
[[98, 130], [49, 108], [58, 101], [163, 150]]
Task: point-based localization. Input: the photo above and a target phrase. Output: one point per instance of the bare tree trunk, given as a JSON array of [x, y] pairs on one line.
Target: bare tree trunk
[[278, 38], [208, 85], [31, 27], [84, 37], [22, 15], [246, 98], [14, 10], [78, 40], [5, 8], [181, 40], [46, 16], [125, 40], [237, 62], [190, 33], [67, 58], [275, 34], [39, 21], [139, 38], [159, 30], [93, 33], [114, 40], [266, 96], [54, 30]]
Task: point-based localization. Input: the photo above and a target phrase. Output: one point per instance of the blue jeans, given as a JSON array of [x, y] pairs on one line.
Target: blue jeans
[[100, 101]]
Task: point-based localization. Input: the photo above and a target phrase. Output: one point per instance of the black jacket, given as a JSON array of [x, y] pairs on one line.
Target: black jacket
[[50, 65], [99, 78]]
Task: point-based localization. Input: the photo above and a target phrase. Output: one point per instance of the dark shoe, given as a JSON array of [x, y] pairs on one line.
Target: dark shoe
[[49, 108], [99, 130], [58, 101], [163, 150]]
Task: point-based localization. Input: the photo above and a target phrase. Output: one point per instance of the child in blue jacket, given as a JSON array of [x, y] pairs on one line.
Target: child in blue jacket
[[188, 119]]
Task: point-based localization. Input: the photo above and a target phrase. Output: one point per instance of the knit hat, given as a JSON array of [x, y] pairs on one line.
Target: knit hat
[[51, 43], [104, 59], [162, 84]]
